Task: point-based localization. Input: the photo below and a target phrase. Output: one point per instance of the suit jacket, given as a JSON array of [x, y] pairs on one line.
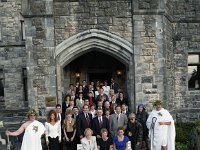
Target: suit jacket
[[114, 123], [89, 146], [96, 126], [64, 107], [120, 102], [115, 87], [99, 96], [82, 124]]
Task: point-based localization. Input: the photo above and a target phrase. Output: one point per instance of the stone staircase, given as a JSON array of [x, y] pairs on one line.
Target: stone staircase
[[12, 120]]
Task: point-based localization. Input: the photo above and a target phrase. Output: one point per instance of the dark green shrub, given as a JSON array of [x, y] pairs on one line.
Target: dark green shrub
[[197, 124], [183, 131], [181, 146]]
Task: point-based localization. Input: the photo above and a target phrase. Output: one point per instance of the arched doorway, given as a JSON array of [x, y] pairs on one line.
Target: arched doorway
[[92, 41], [96, 66]]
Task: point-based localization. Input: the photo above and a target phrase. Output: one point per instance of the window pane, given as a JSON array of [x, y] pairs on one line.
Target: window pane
[[193, 77], [192, 69], [193, 58]]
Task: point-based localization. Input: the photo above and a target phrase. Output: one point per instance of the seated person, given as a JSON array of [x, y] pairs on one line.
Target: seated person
[[89, 142], [104, 143], [120, 142]]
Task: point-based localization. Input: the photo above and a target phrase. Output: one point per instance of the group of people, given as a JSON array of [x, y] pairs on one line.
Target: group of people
[[101, 122]]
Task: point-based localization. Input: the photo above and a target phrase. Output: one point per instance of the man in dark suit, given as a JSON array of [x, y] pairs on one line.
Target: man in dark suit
[[83, 121], [98, 123], [114, 86], [61, 118], [125, 109], [75, 112]]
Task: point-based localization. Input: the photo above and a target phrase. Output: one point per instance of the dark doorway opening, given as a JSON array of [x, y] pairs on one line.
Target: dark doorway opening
[[101, 77]]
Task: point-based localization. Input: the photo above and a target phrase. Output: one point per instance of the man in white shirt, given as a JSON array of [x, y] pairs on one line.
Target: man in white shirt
[[106, 88]]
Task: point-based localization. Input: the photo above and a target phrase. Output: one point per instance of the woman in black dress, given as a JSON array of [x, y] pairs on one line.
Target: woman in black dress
[[104, 143], [142, 117], [69, 128]]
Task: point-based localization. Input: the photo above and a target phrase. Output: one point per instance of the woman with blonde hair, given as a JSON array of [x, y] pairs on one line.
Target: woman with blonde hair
[[89, 142], [69, 129]]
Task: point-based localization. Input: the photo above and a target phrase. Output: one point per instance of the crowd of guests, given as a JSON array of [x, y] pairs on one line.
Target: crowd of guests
[[99, 120], [98, 117]]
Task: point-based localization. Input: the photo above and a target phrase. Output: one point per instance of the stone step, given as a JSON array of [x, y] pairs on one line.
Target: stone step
[[12, 113], [2, 105]]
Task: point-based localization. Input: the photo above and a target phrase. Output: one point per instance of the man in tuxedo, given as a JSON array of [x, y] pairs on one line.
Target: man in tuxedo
[[60, 118], [118, 119], [114, 86], [58, 112], [83, 121], [125, 109], [98, 123], [75, 112], [85, 88]]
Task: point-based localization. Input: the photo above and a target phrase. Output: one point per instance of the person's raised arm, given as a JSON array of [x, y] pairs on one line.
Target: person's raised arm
[[18, 132]]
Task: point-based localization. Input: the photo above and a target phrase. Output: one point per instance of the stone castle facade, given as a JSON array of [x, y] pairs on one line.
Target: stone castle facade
[[153, 39]]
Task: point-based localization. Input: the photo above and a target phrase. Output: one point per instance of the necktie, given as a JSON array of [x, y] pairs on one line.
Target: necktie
[[88, 119], [58, 117], [100, 122], [91, 102], [117, 117]]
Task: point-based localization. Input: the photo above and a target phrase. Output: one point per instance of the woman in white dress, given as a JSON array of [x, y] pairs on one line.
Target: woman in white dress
[[53, 131], [89, 142]]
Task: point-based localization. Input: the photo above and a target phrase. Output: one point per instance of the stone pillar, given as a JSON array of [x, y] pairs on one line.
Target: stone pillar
[[148, 51], [39, 24]]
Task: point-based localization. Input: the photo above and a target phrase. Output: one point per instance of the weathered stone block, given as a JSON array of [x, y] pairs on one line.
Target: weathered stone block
[[147, 79]]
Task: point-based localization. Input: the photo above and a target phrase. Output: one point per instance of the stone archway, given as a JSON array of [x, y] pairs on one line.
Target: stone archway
[[105, 42]]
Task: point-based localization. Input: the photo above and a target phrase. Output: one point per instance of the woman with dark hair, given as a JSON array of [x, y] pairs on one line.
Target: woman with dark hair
[[121, 99], [69, 129], [79, 90], [107, 114], [142, 117], [53, 131], [120, 142]]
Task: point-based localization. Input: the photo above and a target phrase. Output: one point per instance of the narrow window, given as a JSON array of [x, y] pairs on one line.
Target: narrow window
[[1, 84], [25, 86], [23, 30]]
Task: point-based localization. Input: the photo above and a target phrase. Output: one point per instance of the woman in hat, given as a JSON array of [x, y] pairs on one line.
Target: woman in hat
[[33, 130]]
